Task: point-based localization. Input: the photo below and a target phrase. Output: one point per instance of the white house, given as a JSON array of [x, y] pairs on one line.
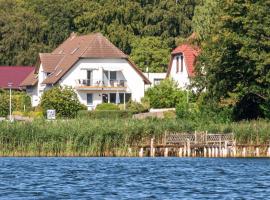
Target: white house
[[181, 66], [155, 78], [96, 69]]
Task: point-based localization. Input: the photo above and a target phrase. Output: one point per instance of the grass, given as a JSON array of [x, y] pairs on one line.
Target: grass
[[108, 137]]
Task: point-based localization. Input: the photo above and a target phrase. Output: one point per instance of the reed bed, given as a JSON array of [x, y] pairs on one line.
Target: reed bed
[[108, 137]]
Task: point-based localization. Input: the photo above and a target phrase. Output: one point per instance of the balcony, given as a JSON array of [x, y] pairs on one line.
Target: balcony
[[92, 84]]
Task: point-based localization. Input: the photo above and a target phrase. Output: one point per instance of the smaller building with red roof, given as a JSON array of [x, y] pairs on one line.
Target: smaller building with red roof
[[182, 64], [13, 76]]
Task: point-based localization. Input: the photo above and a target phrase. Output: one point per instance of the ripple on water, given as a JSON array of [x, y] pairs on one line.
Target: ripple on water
[[134, 178]]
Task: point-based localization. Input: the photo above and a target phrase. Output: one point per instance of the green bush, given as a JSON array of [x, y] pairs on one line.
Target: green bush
[[20, 102], [104, 114], [107, 106], [169, 114], [63, 100], [136, 107], [165, 95]]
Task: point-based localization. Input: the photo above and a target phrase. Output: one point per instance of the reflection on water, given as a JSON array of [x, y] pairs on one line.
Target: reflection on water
[[134, 178]]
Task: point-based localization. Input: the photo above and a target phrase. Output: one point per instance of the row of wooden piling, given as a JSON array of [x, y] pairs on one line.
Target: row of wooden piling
[[213, 151]]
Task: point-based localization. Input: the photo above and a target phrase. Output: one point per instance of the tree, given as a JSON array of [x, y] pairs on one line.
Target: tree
[[63, 100], [165, 95], [235, 54], [151, 52]]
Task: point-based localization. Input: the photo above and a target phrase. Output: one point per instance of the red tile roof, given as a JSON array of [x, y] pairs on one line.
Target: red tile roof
[[14, 75], [190, 53]]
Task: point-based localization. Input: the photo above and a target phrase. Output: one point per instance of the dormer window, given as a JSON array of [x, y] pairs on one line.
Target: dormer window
[[182, 62], [177, 64]]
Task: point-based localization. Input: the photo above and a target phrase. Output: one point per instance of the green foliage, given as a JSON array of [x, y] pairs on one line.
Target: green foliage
[[20, 101], [150, 52], [29, 27], [136, 107], [165, 95], [169, 114], [235, 52], [107, 106], [63, 100], [104, 114]]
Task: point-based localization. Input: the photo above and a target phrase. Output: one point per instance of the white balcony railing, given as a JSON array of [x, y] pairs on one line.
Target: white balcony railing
[[101, 83]]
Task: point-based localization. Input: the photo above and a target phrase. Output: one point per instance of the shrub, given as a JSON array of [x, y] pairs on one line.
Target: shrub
[[136, 107], [20, 102], [63, 100], [107, 106], [164, 95], [169, 114], [104, 114]]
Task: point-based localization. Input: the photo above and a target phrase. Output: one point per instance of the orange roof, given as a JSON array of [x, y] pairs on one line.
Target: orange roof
[[190, 53], [61, 60]]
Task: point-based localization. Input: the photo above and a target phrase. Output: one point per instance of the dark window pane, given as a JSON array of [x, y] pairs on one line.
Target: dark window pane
[[112, 97], [89, 99], [121, 96], [128, 97], [104, 98], [113, 75]]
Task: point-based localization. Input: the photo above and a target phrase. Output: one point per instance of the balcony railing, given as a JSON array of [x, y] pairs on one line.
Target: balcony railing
[[101, 83]]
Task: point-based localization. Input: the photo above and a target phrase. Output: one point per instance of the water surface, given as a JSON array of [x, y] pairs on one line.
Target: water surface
[[134, 178]]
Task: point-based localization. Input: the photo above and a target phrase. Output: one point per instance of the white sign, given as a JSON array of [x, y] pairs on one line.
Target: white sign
[[50, 114]]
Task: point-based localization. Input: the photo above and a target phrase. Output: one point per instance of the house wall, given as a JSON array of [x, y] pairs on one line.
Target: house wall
[[181, 78], [135, 83], [152, 77]]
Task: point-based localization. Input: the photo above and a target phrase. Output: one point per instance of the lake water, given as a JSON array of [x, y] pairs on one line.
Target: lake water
[[134, 178]]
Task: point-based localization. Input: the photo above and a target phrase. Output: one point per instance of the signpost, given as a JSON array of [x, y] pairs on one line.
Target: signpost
[[51, 114], [10, 111]]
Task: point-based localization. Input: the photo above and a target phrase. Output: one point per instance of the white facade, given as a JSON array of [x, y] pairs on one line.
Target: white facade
[[154, 78], [97, 81], [179, 73]]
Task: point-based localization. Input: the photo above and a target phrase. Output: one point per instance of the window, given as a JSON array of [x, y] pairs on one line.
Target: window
[[177, 64], [182, 63], [112, 97], [157, 81], [89, 99], [104, 98], [128, 97], [113, 75]]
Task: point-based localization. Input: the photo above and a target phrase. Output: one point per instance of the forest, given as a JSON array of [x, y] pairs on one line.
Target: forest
[[232, 71]]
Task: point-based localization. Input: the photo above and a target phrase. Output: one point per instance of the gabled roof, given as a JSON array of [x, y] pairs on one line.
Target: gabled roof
[[61, 60], [14, 75], [30, 80], [49, 61], [190, 54]]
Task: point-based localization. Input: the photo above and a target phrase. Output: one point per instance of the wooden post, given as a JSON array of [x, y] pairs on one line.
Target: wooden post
[[268, 152], [257, 151], [222, 152], [244, 152], [152, 149], [226, 149], [188, 148], [166, 151], [234, 149], [180, 153], [217, 152], [204, 152], [209, 152], [141, 152]]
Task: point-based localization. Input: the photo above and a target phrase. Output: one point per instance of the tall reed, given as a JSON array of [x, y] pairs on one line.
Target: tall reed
[[107, 137]]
